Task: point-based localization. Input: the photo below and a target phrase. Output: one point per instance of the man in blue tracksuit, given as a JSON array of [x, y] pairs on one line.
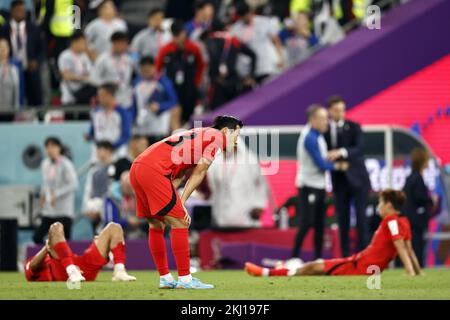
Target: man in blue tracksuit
[[310, 181]]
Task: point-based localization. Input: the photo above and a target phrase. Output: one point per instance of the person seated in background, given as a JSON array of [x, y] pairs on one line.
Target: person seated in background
[[97, 186], [99, 31], [224, 51], [156, 108], [110, 122], [298, 39], [121, 208], [392, 238], [10, 81], [203, 18], [56, 261], [136, 146], [116, 66], [148, 41], [57, 194], [75, 68]]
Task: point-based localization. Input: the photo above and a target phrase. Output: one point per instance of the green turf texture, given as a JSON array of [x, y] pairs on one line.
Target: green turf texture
[[237, 285]]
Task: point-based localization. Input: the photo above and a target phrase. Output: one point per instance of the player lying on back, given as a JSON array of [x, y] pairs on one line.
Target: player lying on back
[[155, 176], [56, 262], [392, 238]]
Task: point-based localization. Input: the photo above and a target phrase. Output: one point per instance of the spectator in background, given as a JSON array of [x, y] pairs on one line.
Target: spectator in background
[[75, 68], [204, 15], [97, 186], [238, 189], [182, 62], [223, 51], [148, 41], [9, 79], [155, 103], [419, 203], [57, 196], [298, 39], [345, 142], [99, 31], [310, 181], [136, 146], [26, 47], [110, 122], [116, 66], [261, 35], [5, 6]]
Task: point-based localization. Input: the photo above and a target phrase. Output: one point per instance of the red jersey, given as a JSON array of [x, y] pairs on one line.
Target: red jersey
[[381, 249], [182, 151]]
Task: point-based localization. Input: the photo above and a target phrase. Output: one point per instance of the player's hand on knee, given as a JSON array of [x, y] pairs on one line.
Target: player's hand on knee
[[187, 217]]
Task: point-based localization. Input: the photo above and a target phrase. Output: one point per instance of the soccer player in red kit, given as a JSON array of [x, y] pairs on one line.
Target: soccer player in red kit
[[155, 176], [392, 238], [56, 262]]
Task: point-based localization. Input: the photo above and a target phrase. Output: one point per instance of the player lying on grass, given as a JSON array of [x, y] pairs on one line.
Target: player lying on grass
[[155, 176], [392, 238], [56, 262]]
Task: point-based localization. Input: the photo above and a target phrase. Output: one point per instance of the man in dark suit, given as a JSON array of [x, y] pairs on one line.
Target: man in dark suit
[[345, 142], [26, 47]]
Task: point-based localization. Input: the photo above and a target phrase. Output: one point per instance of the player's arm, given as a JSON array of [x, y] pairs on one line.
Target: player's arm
[[196, 178], [404, 256], [38, 259], [413, 257]]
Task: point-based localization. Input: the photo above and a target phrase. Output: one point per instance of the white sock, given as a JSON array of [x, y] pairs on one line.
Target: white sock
[[292, 272], [265, 272], [119, 267], [71, 268], [168, 277], [185, 279]]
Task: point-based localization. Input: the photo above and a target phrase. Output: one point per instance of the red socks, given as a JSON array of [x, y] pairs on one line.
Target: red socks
[[157, 246], [64, 253], [180, 250], [119, 253], [278, 272]]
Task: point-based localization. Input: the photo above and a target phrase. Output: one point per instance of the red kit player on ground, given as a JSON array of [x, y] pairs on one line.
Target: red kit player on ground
[[155, 176], [56, 262], [392, 238]]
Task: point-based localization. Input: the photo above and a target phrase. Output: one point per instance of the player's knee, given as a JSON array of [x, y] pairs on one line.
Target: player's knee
[[56, 229], [114, 228]]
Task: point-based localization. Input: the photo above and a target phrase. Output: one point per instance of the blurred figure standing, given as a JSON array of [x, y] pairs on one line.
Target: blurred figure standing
[[26, 47], [57, 198], [345, 142], [10, 80], [204, 15], [418, 203]]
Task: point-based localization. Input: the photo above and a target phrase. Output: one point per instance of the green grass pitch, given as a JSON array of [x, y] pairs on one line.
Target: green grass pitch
[[235, 285]]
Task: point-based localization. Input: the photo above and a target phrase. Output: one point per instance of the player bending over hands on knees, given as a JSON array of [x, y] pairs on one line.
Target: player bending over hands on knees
[[155, 176], [392, 238], [56, 262]]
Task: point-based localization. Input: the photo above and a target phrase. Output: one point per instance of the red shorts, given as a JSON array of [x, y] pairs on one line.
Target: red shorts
[[90, 264], [156, 196], [344, 267]]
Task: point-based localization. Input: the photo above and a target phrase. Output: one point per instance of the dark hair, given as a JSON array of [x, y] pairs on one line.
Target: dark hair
[[154, 11], [419, 157], [312, 110], [77, 35], [242, 9], [177, 28], [146, 60], [17, 3], [229, 122], [101, 4], [111, 88], [119, 36], [200, 4], [53, 140], [395, 197], [104, 145], [334, 100]]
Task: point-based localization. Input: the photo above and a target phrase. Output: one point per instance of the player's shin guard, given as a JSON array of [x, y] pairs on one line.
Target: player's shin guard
[[119, 253], [180, 249], [157, 246], [64, 253]]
